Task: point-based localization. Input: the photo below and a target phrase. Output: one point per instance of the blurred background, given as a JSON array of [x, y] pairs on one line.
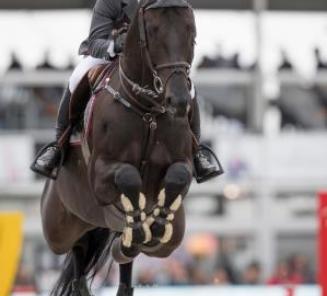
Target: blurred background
[[261, 73]]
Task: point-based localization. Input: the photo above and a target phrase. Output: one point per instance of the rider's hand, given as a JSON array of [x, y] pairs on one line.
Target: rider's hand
[[119, 43]]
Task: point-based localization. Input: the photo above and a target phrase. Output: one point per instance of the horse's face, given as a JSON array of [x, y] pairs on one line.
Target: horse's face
[[171, 37]]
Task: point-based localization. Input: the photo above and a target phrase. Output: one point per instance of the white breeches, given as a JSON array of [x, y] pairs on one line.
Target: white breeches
[[82, 68]]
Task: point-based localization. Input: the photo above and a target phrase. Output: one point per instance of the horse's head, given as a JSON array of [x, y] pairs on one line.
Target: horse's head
[[166, 30], [170, 31]]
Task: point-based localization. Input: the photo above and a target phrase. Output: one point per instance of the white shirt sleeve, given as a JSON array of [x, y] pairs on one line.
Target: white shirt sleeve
[[111, 49], [193, 91]]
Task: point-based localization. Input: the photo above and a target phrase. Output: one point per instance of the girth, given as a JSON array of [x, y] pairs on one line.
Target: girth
[[149, 117]]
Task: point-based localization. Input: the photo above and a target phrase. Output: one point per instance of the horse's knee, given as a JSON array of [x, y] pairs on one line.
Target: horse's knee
[[164, 251], [178, 178], [57, 249], [128, 180], [57, 242]]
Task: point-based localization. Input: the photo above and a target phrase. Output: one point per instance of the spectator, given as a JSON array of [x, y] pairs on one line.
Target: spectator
[[300, 270], [220, 277], [146, 277], [25, 281], [251, 274], [197, 276], [177, 273], [282, 276]]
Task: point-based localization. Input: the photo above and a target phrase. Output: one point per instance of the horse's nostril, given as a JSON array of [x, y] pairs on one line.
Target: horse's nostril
[[169, 100], [178, 104]]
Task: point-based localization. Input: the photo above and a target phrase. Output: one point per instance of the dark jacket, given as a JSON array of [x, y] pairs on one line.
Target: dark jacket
[[107, 15]]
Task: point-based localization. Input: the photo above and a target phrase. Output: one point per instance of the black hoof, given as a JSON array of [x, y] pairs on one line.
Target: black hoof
[[125, 291]]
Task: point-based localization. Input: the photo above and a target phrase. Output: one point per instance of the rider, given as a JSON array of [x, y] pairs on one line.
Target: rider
[[100, 48]]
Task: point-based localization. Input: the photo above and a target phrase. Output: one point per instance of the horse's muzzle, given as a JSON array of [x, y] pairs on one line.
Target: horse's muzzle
[[178, 96]]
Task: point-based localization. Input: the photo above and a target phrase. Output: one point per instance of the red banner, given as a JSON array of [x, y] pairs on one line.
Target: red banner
[[323, 242]]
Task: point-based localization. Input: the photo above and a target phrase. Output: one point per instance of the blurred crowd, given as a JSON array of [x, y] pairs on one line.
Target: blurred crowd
[[215, 61], [219, 61], [196, 264], [298, 104]]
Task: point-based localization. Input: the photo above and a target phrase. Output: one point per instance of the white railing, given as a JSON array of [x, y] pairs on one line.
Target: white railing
[[213, 291]]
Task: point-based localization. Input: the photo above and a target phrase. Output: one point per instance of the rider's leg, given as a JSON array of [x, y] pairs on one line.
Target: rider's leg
[[204, 166], [50, 159]]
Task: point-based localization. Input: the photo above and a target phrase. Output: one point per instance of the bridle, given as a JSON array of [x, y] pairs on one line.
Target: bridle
[[151, 95], [154, 96]]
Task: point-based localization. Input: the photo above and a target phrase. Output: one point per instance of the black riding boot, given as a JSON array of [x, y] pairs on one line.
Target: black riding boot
[[49, 159], [204, 165]]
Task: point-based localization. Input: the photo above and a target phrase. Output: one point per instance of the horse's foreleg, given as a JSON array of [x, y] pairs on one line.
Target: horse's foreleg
[[176, 184], [164, 250], [125, 285], [136, 231]]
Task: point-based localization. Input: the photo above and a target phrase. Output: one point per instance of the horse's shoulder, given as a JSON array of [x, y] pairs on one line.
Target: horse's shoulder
[[100, 72]]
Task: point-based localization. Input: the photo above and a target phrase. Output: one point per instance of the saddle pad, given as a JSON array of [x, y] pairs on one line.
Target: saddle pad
[[97, 80], [76, 137]]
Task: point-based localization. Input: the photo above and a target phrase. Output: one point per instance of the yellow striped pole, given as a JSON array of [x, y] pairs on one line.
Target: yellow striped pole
[[11, 239]]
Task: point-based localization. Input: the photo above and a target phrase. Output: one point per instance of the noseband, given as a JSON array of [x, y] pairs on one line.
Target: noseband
[[179, 67]]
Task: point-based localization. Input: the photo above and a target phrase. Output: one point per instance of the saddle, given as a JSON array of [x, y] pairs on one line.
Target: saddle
[[92, 82]]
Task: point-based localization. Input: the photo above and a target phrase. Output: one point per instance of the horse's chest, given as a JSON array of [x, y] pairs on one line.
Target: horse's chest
[[125, 137], [171, 142]]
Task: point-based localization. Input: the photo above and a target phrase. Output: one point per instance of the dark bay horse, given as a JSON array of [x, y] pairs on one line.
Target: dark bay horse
[[126, 197]]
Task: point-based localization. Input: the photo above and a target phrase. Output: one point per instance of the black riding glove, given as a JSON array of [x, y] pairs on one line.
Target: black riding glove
[[119, 37], [119, 43]]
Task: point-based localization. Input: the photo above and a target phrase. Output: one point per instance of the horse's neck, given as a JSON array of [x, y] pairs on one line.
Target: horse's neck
[[134, 60], [136, 68]]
